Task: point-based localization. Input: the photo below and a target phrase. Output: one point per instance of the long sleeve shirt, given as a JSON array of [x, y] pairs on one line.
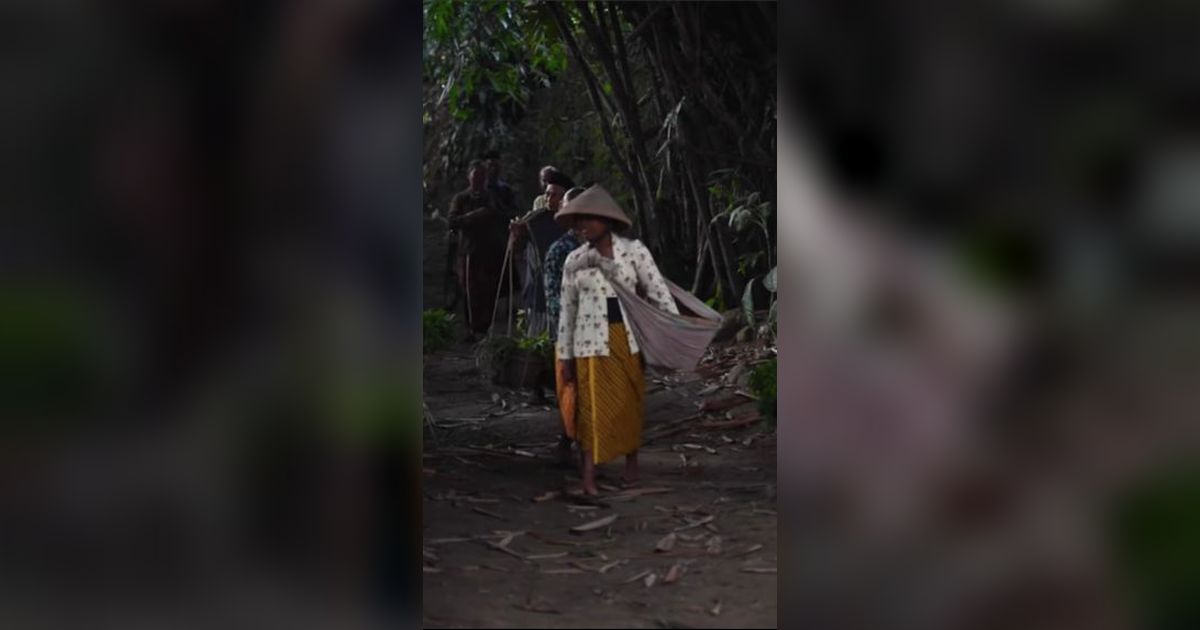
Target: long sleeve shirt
[[480, 226], [583, 321], [552, 273]]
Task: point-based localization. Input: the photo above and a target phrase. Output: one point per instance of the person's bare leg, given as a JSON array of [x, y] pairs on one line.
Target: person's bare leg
[[589, 475], [631, 468]]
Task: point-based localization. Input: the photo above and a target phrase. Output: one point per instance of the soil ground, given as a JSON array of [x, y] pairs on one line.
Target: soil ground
[[495, 557]]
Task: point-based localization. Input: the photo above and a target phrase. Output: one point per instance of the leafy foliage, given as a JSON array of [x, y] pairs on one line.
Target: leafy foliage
[[540, 345], [670, 106], [1157, 546], [482, 62], [437, 328], [763, 385]]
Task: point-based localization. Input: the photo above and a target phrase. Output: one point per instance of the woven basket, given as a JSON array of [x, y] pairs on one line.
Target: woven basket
[[526, 369]]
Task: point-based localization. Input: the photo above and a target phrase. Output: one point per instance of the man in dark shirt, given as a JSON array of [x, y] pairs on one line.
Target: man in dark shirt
[[482, 229], [505, 198], [532, 236]]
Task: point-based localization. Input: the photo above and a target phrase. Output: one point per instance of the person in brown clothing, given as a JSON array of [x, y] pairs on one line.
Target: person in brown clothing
[[482, 232]]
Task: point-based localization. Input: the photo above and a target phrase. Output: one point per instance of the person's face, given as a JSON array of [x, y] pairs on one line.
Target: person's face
[[554, 196], [590, 228], [476, 177], [542, 178], [493, 169]]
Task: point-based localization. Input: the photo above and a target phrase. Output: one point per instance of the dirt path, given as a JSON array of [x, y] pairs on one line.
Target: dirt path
[[496, 558]]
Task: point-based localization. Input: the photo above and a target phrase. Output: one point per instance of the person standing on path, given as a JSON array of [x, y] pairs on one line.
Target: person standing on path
[[506, 200], [541, 202], [599, 352], [475, 215], [552, 271], [532, 235]]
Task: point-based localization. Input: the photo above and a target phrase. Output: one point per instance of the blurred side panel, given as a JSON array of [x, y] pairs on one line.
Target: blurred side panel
[[210, 375]]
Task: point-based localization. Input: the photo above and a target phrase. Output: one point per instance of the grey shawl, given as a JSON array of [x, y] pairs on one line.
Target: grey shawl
[[666, 340]]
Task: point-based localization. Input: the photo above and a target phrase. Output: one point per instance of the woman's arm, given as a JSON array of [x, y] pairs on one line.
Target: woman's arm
[[454, 217], [651, 279], [552, 281], [569, 305]]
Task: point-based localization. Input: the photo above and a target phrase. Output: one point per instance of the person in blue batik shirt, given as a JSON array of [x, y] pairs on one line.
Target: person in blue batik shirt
[[552, 270]]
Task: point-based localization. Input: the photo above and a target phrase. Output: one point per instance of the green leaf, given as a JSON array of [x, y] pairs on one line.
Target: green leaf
[[769, 280], [748, 303]]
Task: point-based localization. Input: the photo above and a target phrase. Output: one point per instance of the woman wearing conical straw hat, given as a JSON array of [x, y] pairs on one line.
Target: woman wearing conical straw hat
[[599, 351]]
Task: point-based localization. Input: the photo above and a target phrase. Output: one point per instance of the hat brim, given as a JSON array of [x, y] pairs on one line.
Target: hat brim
[[595, 201]]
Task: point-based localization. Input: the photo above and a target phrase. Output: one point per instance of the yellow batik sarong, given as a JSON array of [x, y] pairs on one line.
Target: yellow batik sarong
[[609, 401], [565, 394]]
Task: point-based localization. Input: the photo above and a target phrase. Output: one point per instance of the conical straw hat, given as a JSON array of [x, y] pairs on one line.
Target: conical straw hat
[[594, 201]]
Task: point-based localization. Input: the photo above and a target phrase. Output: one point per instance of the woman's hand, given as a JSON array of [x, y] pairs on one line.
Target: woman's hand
[[517, 231]]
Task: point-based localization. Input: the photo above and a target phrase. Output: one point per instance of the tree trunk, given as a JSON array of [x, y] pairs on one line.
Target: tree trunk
[[594, 27], [594, 94]]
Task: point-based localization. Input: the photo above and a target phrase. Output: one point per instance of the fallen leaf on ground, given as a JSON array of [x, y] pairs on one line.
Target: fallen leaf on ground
[[524, 453], [716, 609], [505, 549], [489, 513], [638, 576], [700, 523], [708, 390], [553, 494], [650, 580], [597, 524], [562, 571], [749, 550], [612, 565], [537, 607], [432, 570], [547, 556], [673, 574], [667, 543], [758, 570], [568, 543], [714, 545]]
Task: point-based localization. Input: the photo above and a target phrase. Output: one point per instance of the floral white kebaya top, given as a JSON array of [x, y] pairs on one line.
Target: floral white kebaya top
[[583, 321]]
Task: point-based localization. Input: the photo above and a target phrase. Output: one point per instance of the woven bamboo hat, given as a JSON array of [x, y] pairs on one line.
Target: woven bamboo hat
[[594, 201]]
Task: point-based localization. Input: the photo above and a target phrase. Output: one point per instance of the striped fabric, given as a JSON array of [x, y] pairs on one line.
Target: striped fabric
[[610, 399], [565, 394]]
